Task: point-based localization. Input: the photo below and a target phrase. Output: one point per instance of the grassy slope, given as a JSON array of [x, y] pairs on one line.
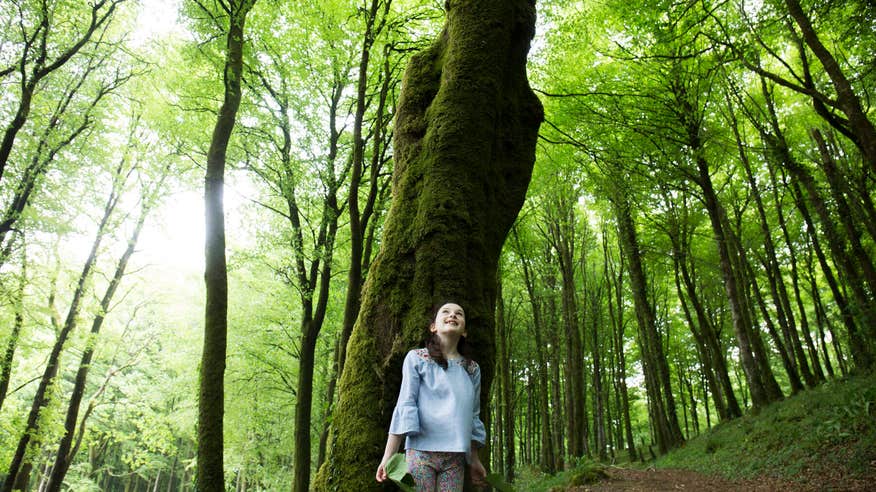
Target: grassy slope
[[823, 436]]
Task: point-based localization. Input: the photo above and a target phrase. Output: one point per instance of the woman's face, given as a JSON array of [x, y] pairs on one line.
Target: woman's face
[[450, 319]]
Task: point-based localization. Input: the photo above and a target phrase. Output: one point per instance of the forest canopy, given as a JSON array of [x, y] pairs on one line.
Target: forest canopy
[[695, 241]]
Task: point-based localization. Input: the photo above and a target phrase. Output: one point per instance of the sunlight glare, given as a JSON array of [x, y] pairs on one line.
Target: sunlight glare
[[176, 240], [156, 19]]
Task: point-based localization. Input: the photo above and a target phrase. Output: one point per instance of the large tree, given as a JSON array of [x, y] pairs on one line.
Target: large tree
[[464, 149]]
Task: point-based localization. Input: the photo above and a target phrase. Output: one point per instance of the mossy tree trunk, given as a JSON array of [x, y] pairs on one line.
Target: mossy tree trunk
[[465, 138]]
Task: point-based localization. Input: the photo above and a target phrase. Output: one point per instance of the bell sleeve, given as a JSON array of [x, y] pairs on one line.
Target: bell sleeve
[[405, 417], [478, 433]]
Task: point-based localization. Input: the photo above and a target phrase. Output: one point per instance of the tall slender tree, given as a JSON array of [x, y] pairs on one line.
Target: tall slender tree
[[211, 393]]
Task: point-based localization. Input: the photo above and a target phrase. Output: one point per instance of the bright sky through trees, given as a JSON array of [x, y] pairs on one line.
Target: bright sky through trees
[[156, 19]]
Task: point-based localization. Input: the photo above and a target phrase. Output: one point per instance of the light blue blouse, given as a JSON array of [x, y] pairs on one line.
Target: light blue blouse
[[438, 410]]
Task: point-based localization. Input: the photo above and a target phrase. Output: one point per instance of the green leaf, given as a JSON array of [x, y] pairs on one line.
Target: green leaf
[[498, 482], [397, 471]]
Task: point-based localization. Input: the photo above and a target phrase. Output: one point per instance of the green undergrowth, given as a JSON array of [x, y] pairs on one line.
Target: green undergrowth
[[822, 435]]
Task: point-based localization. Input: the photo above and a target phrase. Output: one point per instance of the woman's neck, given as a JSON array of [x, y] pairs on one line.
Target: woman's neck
[[449, 347]]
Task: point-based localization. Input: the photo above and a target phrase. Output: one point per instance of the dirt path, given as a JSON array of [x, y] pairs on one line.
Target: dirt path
[[651, 480]]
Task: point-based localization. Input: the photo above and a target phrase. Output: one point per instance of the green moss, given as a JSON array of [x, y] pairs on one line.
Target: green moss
[[587, 476]]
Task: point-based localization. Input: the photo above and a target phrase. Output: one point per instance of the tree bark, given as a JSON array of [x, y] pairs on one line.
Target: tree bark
[[748, 284], [839, 193], [361, 218], [749, 365], [862, 356], [795, 276], [796, 362], [614, 280], [506, 409], [211, 394], [461, 173], [599, 393], [713, 356], [312, 280]]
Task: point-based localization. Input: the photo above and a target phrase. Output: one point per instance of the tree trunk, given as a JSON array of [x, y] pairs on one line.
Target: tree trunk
[[546, 460], [553, 403], [361, 219], [705, 357], [839, 192], [313, 277], [795, 277], [743, 339], [787, 357], [667, 432], [748, 283], [561, 229], [778, 146], [64, 457], [599, 399], [820, 316], [718, 378], [614, 281], [18, 467], [861, 355], [849, 103], [461, 173], [211, 395], [303, 407], [795, 366], [503, 339], [17, 323]]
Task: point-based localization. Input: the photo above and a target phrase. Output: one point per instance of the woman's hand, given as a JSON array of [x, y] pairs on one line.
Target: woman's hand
[[478, 473], [381, 472], [393, 441]]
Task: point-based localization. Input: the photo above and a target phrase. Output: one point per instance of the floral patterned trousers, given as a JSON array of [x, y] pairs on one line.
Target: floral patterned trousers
[[436, 471]]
